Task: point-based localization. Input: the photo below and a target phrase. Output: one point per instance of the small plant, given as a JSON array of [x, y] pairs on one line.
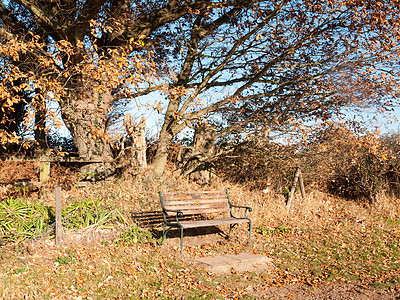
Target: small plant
[[65, 260], [22, 221], [84, 213], [19, 271], [281, 230], [136, 235]]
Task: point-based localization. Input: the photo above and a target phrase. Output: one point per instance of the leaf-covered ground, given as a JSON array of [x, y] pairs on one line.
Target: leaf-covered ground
[[322, 248], [339, 261]]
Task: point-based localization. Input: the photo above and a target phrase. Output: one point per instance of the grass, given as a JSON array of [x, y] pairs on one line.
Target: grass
[[322, 240], [341, 250]]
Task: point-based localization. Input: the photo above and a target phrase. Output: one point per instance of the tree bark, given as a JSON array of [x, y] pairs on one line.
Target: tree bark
[[85, 113], [86, 118], [160, 158], [166, 135], [137, 135], [197, 164], [40, 124]]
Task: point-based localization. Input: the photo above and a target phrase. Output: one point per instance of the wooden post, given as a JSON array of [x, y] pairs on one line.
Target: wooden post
[[296, 178], [138, 137], [44, 171], [58, 216], [303, 192]]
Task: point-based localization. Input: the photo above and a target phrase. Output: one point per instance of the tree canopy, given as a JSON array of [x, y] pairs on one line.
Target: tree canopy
[[249, 66]]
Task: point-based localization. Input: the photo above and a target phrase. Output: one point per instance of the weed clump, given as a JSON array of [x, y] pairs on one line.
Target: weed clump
[[20, 220], [136, 235]]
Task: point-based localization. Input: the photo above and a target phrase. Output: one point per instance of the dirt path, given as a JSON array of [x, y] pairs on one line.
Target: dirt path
[[333, 291]]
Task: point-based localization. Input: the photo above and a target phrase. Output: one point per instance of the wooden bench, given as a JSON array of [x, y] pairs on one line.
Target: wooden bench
[[183, 204]]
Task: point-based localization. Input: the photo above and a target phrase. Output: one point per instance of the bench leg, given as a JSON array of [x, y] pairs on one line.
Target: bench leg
[[165, 232], [250, 232], [230, 228], [181, 233]]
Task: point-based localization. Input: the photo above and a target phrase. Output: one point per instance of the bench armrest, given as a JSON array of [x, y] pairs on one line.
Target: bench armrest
[[247, 208], [240, 206], [179, 214]]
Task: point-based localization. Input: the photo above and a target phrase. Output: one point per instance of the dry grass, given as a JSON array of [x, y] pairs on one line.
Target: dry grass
[[140, 194], [321, 239]]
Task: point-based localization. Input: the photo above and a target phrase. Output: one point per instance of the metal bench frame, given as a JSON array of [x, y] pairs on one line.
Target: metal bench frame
[[180, 204]]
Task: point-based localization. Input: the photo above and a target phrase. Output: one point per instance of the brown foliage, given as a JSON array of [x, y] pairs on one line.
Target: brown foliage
[[258, 165], [11, 172], [337, 158]]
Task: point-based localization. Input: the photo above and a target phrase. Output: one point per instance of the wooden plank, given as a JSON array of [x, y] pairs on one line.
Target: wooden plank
[[194, 197], [291, 194], [71, 159], [197, 192], [197, 211], [184, 202], [44, 174], [221, 198], [58, 216], [213, 222], [51, 159], [303, 193], [196, 206], [18, 158]]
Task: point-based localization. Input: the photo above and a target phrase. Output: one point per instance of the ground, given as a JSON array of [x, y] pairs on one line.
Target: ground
[[98, 270], [323, 248]]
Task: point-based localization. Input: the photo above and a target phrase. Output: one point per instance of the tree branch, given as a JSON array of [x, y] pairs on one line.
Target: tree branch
[[41, 17]]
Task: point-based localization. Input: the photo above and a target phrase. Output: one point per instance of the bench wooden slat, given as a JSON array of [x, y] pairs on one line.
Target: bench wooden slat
[[197, 211], [193, 197], [193, 201], [191, 193], [197, 206], [212, 222]]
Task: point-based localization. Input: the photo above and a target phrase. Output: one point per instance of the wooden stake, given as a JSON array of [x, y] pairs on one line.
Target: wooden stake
[[44, 171], [58, 216], [303, 193], [296, 178]]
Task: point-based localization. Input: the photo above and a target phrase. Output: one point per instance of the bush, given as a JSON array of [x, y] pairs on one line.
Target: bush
[[350, 162], [258, 165], [339, 158], [21, 221]]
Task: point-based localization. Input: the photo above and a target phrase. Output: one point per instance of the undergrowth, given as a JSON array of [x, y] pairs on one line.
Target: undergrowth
[[321, 239], [22, 221]]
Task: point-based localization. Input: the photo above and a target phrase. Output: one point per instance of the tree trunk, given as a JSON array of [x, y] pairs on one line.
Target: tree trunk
[[137, 135], [197, 164], [39, 129], [164, 141], [86, 116], [160, 158]]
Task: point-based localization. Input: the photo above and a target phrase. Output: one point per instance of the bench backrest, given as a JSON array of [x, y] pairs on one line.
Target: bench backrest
[[192, 203]]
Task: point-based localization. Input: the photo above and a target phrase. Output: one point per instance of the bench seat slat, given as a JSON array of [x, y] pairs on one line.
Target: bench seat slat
[[196, 206], [193, 201], [212, 222], [190, 193], [195, 197], [197, 211]]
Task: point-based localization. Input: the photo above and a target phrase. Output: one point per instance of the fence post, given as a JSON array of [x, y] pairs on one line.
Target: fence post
[[296, 178], [44, 171], [58, 216]]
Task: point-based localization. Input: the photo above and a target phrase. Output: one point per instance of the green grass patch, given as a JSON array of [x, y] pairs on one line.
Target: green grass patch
[[348, 253]]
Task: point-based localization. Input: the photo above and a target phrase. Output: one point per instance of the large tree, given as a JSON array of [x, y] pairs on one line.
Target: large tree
[[248, 65]]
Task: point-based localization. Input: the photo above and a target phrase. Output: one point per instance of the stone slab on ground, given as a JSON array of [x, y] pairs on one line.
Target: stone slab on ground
[[243, 262]]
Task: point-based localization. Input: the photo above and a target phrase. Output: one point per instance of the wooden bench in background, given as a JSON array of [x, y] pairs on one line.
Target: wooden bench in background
[[183, 204]]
